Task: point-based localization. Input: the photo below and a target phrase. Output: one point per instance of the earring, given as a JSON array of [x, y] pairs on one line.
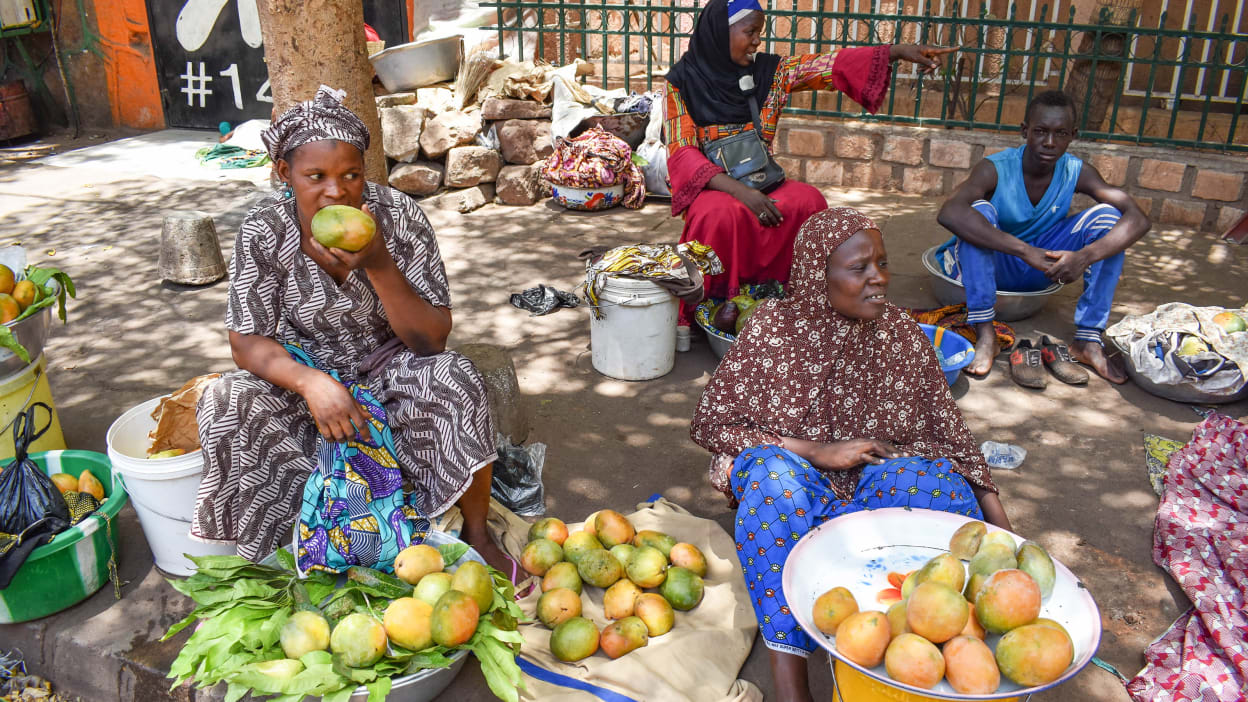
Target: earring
[[288, 192]]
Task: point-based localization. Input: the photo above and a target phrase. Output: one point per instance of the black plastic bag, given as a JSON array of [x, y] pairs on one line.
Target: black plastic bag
[[543, 299], [32, 510], [517, 479]]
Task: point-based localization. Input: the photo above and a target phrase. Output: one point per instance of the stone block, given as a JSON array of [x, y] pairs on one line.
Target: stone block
[[824, 172], [923, 181], [503, 388], [1161, 175], [855, 146], [519, 185], [395, 99], [401, 127], [435, 99], [525, 141], [873, 175], [502, 109], [1188, 214], [418, 179], [467, 166], [447, 130], [990, 150], [1228, 217], [1113, 169], [792, 167], [906, 150], [461, 201], [1145, 204], [1212, 185], [950, 154], [805, 142]]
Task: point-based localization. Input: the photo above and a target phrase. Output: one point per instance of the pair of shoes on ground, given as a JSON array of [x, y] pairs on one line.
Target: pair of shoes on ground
[[1027, 364]]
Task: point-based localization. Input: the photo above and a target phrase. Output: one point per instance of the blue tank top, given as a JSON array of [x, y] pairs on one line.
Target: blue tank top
[[1016, 215]]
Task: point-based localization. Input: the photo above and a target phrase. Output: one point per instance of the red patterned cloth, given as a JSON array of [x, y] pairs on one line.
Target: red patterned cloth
[[1199, 538]]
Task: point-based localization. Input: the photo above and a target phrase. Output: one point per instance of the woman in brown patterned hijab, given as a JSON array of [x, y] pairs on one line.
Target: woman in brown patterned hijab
[[831, 401]]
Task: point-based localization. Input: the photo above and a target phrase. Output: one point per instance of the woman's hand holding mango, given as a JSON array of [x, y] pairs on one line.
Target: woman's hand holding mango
[[336, 413], [373, 256]]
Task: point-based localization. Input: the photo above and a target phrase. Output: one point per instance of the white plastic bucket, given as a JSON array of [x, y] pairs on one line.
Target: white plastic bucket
[[636, 337], [162, 491]]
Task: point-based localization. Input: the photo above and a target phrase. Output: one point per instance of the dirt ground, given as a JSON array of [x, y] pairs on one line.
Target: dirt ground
[[1082, 492]]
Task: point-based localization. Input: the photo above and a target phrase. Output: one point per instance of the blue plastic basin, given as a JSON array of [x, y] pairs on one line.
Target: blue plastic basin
[[951, 344]]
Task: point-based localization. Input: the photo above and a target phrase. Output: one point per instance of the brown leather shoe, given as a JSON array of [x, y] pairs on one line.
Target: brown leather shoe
[[1026, 366], [1056, 356]]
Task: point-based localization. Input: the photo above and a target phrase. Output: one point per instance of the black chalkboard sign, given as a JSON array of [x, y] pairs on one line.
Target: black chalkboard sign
[[210, 57]]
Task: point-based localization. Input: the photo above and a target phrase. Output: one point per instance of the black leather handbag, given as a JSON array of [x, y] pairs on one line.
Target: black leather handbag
[[745, 158]]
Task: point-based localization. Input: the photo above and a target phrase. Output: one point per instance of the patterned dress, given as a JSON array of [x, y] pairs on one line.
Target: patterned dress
[[260, 441]]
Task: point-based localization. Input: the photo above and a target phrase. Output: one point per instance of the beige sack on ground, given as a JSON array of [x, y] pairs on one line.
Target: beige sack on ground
[[176, 426], [698, 660]]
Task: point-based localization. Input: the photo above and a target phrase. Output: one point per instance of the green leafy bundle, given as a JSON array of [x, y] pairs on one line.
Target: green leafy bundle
[[52, 286], [242, 606]]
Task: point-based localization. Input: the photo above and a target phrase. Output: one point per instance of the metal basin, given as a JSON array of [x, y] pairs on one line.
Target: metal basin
[[1179, 393], [1011, 306], [32, 333], [419, 63]]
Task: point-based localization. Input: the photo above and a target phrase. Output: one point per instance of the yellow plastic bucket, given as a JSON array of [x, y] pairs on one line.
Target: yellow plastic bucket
[[17, 393], [852, 686]]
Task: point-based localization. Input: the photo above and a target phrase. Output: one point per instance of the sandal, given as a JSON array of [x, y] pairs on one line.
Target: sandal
[[1057, 359], [1027, 366]]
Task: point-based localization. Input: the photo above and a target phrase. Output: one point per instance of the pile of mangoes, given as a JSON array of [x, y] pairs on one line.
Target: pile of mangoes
[[610, 554], [944, 604], [15, 295]]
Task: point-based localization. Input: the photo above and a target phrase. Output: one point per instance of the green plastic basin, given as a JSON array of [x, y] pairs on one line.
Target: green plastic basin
[[73, 565]]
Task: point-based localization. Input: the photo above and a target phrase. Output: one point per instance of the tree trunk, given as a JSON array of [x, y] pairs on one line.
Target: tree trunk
[[308, 43]]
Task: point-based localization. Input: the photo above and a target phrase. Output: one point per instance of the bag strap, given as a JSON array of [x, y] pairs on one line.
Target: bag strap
[[758, 121]]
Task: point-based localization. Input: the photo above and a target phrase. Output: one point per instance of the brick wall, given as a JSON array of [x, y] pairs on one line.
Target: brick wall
[[1205, 191]]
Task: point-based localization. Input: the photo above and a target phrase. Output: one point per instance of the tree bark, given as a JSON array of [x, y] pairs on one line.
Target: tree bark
[[308, 43]]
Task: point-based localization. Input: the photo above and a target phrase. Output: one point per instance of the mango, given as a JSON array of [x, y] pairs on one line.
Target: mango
[[408, 623], [832, 607], [64, 482], [966, 540], [303, 633], [599, 568], [1191, 346], [431, 587], [682, 588], [1009, 599], [936, 611], [998, 537], [167, 453], [549, 528], [613, 528], [657, 539], [622, 552], [1035, 561], [539, 555], [913, 660], [656, 612], [1044, 621], [25, 293], [343, 227], [973, 627], [619, 638], [473, 580], [578, 543], [359, 640], [908, 585], [943, 569], [1034, 654], [9, 309], [688, 556], [7, 279], [454, 619], [415, 562], [970, 666], [990, 559], [276, 673], [89, 484], [562, 575], [556, 606], [620, 599], [973, 584], [863, 637], [1230, 322], [574, 639], [589, 527], [897, 624], [647, 567]]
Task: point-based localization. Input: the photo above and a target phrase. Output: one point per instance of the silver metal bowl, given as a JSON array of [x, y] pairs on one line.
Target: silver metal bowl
[[1011, 306], [1179, 393], [32, 333], [419, 63]]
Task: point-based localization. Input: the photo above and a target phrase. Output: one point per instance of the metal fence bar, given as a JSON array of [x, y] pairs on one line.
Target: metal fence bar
[[1197, 68]]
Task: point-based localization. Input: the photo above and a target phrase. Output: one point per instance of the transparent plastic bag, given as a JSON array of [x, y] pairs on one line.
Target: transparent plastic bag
[[1003, 456]]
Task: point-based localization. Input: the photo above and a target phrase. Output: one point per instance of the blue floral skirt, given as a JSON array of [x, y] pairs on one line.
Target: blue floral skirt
[[782, 497]]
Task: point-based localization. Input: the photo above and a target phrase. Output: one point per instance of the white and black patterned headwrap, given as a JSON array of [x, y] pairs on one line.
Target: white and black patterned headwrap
[[323, 117]]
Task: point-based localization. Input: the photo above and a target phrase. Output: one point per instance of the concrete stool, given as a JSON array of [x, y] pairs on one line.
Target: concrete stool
[[189, 251], [499, 373]]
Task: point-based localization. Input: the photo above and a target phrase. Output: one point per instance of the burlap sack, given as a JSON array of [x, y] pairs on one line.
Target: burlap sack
[[698, 660]]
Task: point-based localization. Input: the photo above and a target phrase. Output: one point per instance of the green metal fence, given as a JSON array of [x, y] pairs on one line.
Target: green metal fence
[[1157, 85]]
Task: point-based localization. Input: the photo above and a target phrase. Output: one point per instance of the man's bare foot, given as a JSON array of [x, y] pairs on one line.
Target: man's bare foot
[[986, 350], [490, 552], [1092, 354]]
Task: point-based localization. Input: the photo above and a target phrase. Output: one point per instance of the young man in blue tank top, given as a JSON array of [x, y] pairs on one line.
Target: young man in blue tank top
[[1013, 231]]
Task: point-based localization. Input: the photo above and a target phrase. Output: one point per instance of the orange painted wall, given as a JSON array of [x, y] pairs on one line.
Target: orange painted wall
[[131, 68]]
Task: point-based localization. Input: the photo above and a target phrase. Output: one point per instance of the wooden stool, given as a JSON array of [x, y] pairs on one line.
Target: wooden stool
[[189, 251]]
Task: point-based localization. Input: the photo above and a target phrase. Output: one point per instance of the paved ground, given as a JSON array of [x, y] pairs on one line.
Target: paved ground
[[1082, 492]]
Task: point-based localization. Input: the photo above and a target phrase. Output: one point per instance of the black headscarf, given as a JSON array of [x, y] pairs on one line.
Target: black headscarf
[[708, 79]]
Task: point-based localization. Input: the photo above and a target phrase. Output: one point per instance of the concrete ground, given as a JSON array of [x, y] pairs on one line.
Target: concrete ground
[[1082, 492]]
